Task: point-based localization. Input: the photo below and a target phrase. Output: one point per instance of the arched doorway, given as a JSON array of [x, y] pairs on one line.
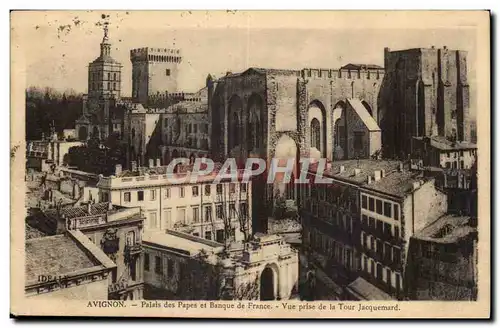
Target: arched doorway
[[82, 133], [267, 285]]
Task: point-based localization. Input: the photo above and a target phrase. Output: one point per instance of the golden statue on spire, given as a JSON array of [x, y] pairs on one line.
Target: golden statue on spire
[[105, 39]]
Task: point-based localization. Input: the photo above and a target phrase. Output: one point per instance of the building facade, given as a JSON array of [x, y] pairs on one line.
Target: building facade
[[44, 154], [442, 153], [256, 111], [181, 129], [214, 211], [181, 266], [117, 231], [356, 229], [442, 262], [425, 92]]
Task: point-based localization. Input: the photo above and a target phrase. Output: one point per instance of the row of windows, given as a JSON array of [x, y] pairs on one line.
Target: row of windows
[[188, 215], [383, 249], [454, 165], [333, 215], [378, 206], [383, 228], [195, 192], [190, 142], [107, 86], [111, 76], [158, 266], [337, 251], [381, 273], [218, 234]]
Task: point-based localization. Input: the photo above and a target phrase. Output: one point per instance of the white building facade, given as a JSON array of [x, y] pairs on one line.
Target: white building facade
[[203, 209]]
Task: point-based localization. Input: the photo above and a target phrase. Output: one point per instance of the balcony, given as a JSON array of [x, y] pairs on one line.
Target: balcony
[[132, 252]]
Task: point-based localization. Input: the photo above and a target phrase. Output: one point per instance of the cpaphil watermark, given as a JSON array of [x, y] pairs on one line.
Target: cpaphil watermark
[[282, 170]]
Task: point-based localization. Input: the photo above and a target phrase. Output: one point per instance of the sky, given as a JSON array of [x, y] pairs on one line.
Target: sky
[[58, 48]]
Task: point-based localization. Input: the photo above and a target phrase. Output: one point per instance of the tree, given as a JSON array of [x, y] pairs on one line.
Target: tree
[[232, 208], [44, 106]]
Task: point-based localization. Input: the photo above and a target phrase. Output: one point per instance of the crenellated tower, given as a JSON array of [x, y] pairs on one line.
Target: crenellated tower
[[155, 72]]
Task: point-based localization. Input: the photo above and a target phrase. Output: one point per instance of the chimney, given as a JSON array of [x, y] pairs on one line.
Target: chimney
[[401, 167], [342, 168], [158, 162], [369, 179], [133, 166], [89, 206], [433, 47], [382, 173], [118, 169], [444, 47], [151, 162], [357, 172], [110, 206], [377, 175]]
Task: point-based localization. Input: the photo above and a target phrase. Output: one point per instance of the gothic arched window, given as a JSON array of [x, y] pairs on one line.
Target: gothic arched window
[[235, 126], [315, 134]]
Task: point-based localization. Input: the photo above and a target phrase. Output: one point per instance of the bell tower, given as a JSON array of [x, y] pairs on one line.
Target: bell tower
[[104, 86]]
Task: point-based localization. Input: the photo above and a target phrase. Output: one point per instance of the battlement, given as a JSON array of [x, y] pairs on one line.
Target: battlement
[[363, 72], [164, 55]]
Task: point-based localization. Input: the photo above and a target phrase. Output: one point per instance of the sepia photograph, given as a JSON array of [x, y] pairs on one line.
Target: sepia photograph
[[231, 164]]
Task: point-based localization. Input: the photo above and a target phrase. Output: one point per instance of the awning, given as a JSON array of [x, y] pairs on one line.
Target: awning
[[364, 291]]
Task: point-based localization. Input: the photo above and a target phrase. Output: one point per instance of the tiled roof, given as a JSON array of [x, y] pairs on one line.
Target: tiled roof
[[55, 256], [366, 291], [188, 107], [394, 182], [366, 167], [181, 242], [105, 59], [447, 229], [397, 183], [441, 143], [33, 232], [361, 66], [75, 212]]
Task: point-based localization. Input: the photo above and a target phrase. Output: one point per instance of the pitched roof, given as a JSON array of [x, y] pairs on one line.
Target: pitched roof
[[442, 143], [363, 114], [55, 256], [361, 66], [81, 211], [180, 242], [366, 291], [447, 229]]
